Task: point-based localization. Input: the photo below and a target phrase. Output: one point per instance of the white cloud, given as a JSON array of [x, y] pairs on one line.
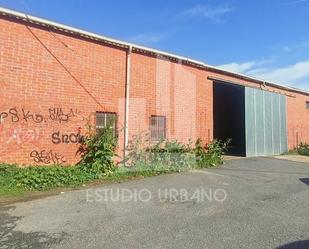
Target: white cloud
[[296, 75], [296, 48], [251, 66], [288, 74], [238, 67], [211, 13], [147, 38]]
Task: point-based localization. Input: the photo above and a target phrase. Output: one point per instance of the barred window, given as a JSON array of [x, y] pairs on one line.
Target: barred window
[[106, 118], [307, 105], [157, 127]]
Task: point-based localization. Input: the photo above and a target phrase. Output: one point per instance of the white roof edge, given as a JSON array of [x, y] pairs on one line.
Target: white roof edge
[[30, 18]]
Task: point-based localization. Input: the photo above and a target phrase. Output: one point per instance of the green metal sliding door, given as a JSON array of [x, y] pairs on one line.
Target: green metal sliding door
[[266, 130]]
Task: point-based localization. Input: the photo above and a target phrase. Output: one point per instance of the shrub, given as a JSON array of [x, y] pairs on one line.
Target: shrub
[[303, 149], [98, 151], [40, 178], [163, 156], [210, 154], [173, 156], [136, 149], [44, 177]]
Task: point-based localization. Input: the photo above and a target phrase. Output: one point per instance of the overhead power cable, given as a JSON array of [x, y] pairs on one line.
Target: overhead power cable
[[55, 57], [64, 67]]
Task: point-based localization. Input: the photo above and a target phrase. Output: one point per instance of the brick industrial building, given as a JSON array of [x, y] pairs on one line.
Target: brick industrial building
[[55, 79]]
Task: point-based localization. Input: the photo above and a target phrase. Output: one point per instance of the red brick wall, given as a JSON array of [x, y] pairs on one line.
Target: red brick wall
[[298, 120], [38, 97], [179, 92], [33, 82]]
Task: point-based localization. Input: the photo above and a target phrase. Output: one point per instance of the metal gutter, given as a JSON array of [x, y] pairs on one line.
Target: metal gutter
[[64, 28], [261, 87], [127, 103]]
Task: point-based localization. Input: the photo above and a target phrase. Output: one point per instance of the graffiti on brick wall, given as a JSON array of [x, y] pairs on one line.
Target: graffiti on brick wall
[[15, 116], [47, 157], [74, 138], [23, 126], [21, 134], [58, 115], [54, 114]]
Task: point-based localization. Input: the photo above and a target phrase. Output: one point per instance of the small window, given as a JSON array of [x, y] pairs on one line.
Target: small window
[[157, 127], [307, 105], [106, 118]]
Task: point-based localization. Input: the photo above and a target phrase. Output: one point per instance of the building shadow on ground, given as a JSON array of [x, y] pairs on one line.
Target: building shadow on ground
[[306, 181], [10, 238], [303, 244]]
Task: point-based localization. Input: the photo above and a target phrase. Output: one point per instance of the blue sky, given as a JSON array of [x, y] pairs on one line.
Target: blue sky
[[268, 39]]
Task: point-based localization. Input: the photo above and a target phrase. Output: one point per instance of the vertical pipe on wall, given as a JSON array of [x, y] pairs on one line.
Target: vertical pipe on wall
[[280, 138], [127, 103], [264, 122]]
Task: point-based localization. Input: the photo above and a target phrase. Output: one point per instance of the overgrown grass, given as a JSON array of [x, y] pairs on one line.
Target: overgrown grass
[[15, 181], [7, 189], [173, 156], [44, 177], [97, 164], [97, 152]]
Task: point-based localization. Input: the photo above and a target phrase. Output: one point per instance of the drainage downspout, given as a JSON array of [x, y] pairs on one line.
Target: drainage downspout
[[127, 103]]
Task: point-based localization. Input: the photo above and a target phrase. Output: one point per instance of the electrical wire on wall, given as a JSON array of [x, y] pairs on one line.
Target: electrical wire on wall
[[57, 59]]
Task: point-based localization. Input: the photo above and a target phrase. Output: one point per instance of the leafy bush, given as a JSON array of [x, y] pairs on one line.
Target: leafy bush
[[210, 154], [173, 156], [163, 156], [39, 178], [136, 149], [7, 169], [98, 151], [303, 149], [44, 177]]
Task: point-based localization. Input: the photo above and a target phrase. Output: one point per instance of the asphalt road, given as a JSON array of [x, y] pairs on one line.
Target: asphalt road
[[249, 203]]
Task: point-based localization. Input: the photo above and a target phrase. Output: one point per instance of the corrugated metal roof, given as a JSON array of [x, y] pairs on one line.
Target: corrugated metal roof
[[122, 44]]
